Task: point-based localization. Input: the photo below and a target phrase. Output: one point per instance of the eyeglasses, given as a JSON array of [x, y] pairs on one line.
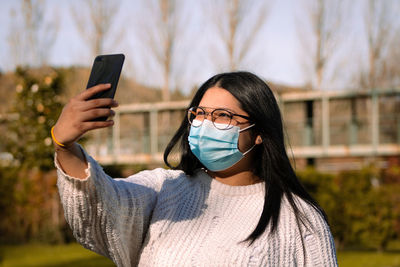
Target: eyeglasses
[[222, 119]]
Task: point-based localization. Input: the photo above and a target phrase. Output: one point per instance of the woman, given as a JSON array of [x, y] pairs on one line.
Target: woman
[[233, 199]]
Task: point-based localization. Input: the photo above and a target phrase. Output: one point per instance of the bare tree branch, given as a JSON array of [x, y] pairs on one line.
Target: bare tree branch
[[94, 21], [159, 33], [31, 37], [325, 22], [381, 30], [229, 18]]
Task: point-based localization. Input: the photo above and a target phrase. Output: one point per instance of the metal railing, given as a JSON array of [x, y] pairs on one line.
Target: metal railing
[[342, 124]]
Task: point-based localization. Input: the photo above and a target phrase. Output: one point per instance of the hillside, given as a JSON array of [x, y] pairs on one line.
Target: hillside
[[129, 91]]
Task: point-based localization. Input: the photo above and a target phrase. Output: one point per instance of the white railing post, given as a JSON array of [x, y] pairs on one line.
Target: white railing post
[[325, 122], [375, 121], [116, 136], [153, 131]]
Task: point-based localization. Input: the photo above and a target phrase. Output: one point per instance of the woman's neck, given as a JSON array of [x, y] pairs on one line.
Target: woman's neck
[[235, 179]]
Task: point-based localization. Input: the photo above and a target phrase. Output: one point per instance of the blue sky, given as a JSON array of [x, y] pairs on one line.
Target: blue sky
[[276, 54]]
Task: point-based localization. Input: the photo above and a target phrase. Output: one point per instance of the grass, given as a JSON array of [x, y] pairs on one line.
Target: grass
[[50, 256], [75, 255], [368, 259]]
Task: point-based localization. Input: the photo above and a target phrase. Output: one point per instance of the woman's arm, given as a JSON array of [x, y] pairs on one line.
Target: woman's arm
[[317, 239], [76, 119], [110, 216], [71, 160], [107, 216]]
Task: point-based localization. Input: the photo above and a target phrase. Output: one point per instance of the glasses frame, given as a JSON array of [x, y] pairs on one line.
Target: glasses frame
[[211, 113]]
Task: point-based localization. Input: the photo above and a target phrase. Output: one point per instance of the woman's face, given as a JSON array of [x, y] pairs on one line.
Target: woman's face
[[217, 97]]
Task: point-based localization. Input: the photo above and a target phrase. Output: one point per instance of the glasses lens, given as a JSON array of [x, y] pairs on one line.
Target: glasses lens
[[196, 116], [222, 119]]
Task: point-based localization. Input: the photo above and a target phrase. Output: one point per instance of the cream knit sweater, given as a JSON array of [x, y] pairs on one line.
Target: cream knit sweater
[[166, 218]]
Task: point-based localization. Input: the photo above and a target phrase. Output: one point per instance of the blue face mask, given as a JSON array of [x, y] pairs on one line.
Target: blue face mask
[[216, 149]]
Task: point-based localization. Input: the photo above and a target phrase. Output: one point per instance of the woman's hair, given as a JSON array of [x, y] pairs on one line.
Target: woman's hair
[[272, 164]]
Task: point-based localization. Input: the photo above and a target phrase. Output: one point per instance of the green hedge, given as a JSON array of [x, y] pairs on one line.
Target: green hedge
[[363, 207]]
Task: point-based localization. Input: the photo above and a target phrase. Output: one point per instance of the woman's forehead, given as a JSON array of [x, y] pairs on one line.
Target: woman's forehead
[[217, 97]]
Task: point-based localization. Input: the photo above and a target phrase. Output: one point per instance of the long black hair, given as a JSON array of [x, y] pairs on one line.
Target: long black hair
[[272, 164]]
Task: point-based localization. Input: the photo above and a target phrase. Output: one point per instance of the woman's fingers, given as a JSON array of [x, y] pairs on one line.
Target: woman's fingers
[[93, 90], [91, 125], [96, 113], [78, 115], [100, 102]]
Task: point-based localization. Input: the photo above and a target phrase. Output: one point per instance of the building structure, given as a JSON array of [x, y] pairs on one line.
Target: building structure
[[330, 130]]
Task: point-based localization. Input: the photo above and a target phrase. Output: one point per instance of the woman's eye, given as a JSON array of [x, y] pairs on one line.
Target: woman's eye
[[224, 115]]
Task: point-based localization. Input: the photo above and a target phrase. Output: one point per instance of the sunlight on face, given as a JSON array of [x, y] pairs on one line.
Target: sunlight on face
[[217, 97]]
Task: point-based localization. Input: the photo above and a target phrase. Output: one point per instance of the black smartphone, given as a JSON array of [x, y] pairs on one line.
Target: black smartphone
[[106, 69]]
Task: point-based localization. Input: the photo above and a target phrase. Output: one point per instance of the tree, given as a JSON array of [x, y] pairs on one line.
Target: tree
[[31, 37], [158, 30], [382, 29], [238, 23], [37, 107], [34, 212], [392, 68], [325, 18], [94, 21]]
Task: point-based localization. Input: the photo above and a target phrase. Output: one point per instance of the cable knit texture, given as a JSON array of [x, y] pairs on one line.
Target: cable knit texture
[[166, 218]]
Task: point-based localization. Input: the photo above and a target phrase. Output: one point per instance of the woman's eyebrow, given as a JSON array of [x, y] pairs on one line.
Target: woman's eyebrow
[[218, 108]]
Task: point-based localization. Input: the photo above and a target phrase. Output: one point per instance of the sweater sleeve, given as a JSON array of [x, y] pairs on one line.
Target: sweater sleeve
[[109, 216], [319, 246]]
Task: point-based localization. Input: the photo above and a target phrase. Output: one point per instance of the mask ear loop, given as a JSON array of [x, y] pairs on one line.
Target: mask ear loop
[[251, 148], [248, 127]]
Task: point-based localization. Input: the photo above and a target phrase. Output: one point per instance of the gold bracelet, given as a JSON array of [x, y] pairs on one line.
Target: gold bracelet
[[54, 138]]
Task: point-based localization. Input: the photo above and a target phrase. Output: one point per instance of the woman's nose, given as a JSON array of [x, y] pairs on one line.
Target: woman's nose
[[208, 116]]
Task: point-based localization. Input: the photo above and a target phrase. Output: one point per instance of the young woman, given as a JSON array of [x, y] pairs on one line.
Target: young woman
[[232, 200]]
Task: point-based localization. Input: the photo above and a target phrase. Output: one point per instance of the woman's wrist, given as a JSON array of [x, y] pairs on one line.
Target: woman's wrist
[[58, 144], [65, 148], [72, 160]]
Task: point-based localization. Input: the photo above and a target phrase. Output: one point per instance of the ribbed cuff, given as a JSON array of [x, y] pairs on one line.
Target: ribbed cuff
[[88, 171]]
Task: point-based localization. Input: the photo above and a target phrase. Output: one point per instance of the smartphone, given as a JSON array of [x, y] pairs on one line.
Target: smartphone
[[106, 69]]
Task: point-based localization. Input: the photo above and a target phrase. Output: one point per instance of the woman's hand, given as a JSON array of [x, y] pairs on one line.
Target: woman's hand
[[77, 115]]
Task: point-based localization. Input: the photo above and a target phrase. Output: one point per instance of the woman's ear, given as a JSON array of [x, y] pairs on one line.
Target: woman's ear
[[258, 140]]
